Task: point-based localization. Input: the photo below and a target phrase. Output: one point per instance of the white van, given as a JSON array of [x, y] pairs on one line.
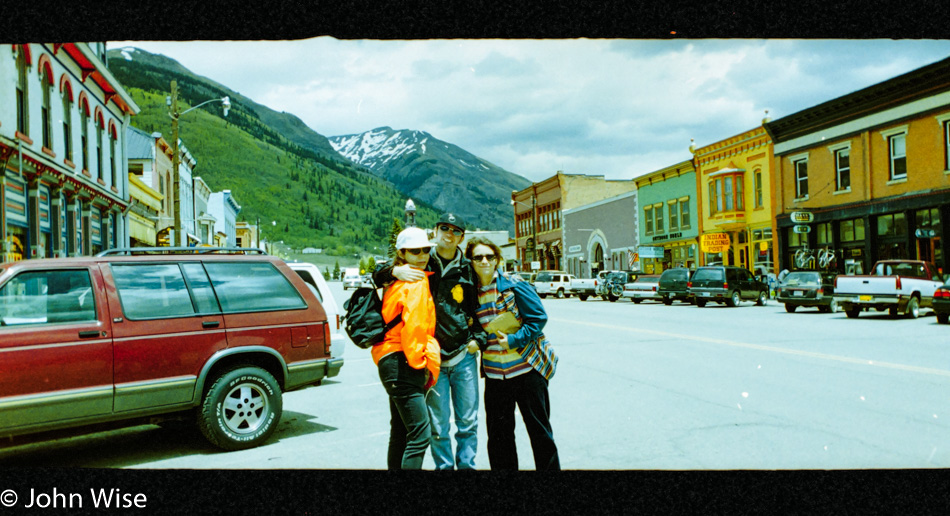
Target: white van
[[352, 278], [311, 274]]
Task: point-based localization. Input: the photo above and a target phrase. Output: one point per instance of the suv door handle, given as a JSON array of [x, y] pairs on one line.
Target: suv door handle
[[210, 324], [88, 334]]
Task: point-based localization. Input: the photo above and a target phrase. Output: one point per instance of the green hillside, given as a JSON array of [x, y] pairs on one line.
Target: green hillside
[[314, 199]]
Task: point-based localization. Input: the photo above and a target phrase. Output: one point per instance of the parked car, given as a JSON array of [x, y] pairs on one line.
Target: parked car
[[808, 288], [214, 338], [894, 285], [614, 282], [311, 274], [556, 283], [941, 303], [644, 287], [726, 285], [584, 287], [352, 278], [527, 276], [672, 286]]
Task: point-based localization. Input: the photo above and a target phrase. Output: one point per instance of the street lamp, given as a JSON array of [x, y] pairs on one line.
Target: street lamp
[[172, 103], [534, 223]]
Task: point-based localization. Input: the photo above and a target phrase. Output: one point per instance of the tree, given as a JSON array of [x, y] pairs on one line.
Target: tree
[[326, 273], [393, 233], [336, 270]]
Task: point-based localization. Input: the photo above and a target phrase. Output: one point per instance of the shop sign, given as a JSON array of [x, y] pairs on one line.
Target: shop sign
[[667, 236], [574, 249], [650, 252], [763, 246], [535, 266], [801, 228], [802, 217], [714, 242]]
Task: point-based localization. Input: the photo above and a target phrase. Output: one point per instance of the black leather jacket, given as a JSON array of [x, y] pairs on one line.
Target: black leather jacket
[[455, 294]]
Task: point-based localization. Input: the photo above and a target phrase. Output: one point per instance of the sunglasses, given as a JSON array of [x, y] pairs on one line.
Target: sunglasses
[[480, 257], [419, 250], [455, 231]]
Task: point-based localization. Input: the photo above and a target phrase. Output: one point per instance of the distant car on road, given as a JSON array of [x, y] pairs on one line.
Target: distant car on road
[[644, 287], [726, 285], [352, 278], [941, 303], [808, 288], [673, 286], [556, 283]]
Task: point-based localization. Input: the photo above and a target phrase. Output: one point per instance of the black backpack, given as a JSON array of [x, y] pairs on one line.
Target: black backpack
[[364, 318]]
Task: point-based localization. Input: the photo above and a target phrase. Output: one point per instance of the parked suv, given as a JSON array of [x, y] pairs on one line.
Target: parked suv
[[726, 285], [673, 286], [808, 288], [553, 282], [137, 338]]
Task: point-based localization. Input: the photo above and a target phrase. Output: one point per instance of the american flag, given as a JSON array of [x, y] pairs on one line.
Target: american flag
[[631, 259]]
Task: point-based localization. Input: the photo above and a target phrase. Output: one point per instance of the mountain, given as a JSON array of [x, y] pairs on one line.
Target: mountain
[[280, 171], [436, 172]]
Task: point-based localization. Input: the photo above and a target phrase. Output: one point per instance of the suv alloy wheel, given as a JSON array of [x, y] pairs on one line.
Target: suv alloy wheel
[[241, 409], [735, 299]]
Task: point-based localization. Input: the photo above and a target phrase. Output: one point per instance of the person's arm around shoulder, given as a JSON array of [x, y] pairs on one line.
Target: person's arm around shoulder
[[533, 316]]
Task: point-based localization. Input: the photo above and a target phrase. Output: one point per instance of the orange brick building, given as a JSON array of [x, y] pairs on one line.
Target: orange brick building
[[866, 175]]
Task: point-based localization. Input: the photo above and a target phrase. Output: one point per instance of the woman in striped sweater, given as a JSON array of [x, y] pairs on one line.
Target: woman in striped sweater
[[517, 366]]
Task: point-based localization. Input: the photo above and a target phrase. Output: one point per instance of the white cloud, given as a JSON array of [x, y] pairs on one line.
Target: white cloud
[[614, 107]]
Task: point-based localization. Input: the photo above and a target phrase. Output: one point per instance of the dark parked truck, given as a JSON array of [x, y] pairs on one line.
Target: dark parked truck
[[898, 286]]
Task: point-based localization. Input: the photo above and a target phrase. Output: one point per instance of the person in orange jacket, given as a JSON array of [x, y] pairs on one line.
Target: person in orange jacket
[[409, 357]]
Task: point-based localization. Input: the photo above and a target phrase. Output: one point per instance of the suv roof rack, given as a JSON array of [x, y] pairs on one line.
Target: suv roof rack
[[129, 251]]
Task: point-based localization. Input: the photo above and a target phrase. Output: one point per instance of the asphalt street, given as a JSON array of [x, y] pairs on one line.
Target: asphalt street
[[642, 387]]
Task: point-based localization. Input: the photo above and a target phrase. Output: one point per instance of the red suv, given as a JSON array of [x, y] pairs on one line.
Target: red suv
[[136, 337]]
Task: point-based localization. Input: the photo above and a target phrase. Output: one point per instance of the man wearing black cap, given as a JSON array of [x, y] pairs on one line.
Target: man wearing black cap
[[455, 292]]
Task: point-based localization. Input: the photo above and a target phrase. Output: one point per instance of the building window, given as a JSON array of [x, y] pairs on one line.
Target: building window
[[99, 150], [674, 216], [758, 189], [115, 181], [843, 169], [684, 213], [67, 123], [84, 136], [713, 198], [801, 178], [946, 145], [851, 230], [728, 193], [658, 213], [22, 94], [648, 220], [892, 225], [824, 233], [897, 155], [45, 109]]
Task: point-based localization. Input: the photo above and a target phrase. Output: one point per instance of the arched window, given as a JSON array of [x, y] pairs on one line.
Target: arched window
[[67, 91], [84, 130], [46, 81], [113, 136], [100, 125], [22, 93]]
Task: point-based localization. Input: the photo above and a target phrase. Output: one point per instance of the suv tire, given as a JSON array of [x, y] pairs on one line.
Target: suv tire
[[762, 297], [790, 308], [667, 301], [241, 409], [560, 293], [734, 299], [700, 303], [582, 297]]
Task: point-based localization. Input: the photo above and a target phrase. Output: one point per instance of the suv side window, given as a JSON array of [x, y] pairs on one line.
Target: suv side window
[[152, 291], [239, 286], [47, 297], [201, 290]]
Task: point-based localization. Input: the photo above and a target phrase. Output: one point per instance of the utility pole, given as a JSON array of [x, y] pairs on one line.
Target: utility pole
[[176, 193]]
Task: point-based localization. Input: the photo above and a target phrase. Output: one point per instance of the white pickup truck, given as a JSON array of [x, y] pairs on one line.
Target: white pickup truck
[[900, 286], [587, 287]]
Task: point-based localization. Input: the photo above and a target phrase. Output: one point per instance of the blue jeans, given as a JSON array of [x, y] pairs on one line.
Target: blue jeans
[[458, 383]]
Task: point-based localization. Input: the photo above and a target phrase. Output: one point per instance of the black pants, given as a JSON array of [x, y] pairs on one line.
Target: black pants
[[530, 393], [409, 417]]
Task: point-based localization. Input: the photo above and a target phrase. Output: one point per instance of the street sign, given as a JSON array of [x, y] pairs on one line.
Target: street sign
[[801, 228], [574, 249], [535, 266], [714, 242], [802, 217], [650, 252]]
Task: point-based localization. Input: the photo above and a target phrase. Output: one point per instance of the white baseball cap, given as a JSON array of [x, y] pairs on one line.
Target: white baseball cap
[[412, 238]]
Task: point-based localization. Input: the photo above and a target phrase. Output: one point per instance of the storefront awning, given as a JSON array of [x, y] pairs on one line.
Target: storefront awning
[[141, 229]]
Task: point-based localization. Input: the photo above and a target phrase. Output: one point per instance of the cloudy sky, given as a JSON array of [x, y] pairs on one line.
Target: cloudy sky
[[618, 108]]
